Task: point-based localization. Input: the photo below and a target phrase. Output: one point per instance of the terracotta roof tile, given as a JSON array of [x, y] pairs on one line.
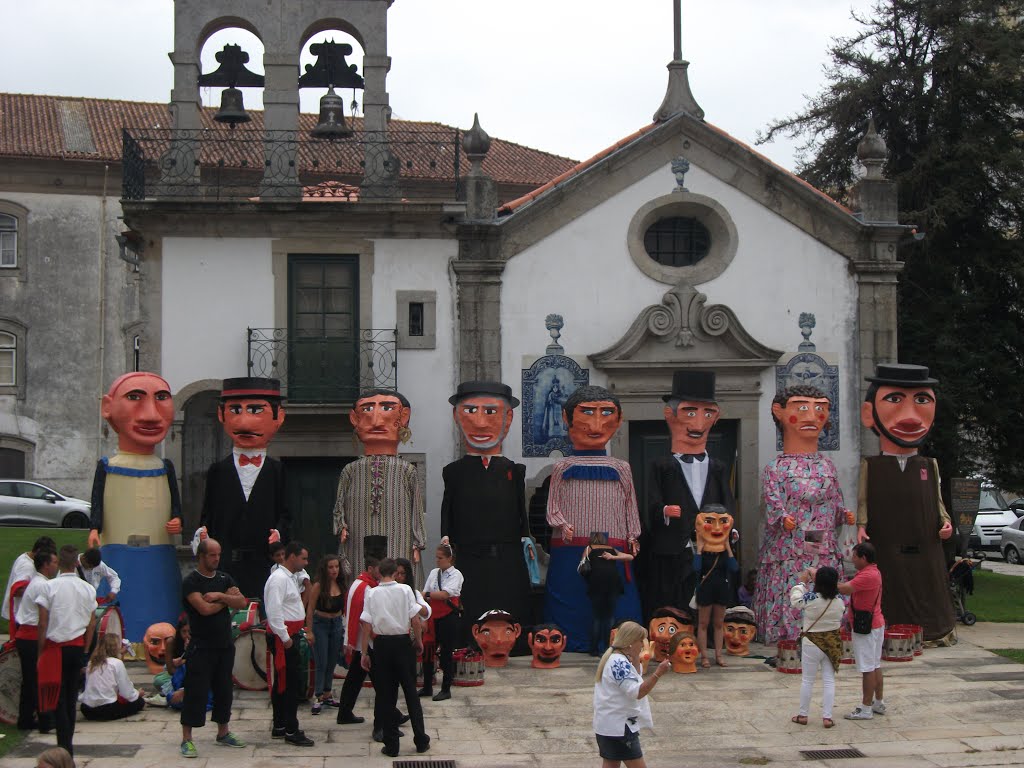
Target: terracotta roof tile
[[30, 127]]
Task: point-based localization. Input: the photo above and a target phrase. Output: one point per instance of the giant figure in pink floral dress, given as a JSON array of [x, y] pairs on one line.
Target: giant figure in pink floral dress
[[803, 510]]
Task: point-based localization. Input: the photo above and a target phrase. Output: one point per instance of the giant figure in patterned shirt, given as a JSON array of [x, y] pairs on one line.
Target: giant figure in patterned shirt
[[379, 494], [483, 513], [244, 506], [899, 504], [590, 492], [135, 503]]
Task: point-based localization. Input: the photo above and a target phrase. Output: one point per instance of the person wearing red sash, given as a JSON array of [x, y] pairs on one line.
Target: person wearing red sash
[[286, 623], [25, 632], [442, 590], [22, 571], [67, 618]]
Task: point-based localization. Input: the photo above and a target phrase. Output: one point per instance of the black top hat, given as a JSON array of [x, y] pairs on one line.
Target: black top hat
[[471, 388], [375, 546], [250, 386], [696, 386], [902, 375]]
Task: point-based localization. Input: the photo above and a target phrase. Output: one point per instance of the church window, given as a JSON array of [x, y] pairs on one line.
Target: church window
[[677, 241]]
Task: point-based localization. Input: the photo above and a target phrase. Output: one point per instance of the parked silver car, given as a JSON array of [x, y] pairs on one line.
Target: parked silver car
[[23, 502], [1011, 544]]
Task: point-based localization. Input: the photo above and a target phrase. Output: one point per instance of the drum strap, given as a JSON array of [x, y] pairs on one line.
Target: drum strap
[[259, 666]]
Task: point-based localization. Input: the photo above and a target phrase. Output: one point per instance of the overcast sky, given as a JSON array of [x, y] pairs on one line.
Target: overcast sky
[[565, 76]]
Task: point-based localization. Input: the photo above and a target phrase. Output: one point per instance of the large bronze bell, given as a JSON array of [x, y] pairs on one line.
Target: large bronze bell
[[331, 124], [232, 110]]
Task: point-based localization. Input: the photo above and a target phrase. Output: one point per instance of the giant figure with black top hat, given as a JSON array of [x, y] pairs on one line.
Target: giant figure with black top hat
[[899, 503], [483, 513], [679, 484], [244, 507]]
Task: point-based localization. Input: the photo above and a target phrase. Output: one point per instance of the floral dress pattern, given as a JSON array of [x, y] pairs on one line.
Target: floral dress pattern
[[806, 488]]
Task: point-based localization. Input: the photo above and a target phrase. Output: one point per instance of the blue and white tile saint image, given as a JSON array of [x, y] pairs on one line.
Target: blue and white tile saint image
[[547, 384], [809, 368]]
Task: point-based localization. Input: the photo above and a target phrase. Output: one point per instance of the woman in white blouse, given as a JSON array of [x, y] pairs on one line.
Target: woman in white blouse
[[822, 646], [621, 708], [109, 694]]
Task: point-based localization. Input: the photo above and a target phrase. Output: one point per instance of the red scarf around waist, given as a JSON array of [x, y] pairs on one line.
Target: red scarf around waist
[[293, 628], [48, 672], [26, 632]]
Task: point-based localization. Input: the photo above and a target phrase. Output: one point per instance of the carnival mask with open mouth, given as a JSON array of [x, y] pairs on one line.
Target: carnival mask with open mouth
[[713, 528], [665, 624], [496, 632]]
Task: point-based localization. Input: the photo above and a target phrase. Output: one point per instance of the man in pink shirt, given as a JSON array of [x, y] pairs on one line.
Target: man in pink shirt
[[865, 589]]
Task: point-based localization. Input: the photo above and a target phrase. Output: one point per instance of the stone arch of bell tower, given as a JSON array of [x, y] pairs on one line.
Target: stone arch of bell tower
[[283, 26]]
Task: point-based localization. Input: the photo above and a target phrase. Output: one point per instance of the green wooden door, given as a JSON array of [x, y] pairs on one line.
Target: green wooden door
[[312, 485]]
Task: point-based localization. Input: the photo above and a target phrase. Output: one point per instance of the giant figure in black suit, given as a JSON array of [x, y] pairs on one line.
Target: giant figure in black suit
[[679, 485], [244, 506], [483, 514]]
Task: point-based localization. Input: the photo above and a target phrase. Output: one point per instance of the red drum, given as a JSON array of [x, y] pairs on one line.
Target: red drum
[[250, 669], [469, 668], [847, 638], [898, 646], [916, 631], [10, 684], [108, 621], [788, 655]]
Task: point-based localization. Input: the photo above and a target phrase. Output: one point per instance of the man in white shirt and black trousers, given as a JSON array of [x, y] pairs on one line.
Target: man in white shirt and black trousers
[[26, 640], [67, 618], [286, 619], [389, 612]]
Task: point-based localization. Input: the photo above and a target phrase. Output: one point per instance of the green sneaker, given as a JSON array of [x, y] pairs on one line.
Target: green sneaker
[[230, 740], [188, 749]]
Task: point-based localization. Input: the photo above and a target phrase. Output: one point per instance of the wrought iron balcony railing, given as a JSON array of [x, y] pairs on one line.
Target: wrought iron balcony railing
[[317, 369], [222, 164]]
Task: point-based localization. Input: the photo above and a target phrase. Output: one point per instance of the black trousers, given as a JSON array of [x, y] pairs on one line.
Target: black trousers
[[446, 630], [28, 701], [114, 711], [354, 679], [67, 704], [286, 703], [394, 665], [206, 670]]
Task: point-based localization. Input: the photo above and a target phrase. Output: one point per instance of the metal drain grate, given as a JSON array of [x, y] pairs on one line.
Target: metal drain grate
[[831, 754], [423, 764]]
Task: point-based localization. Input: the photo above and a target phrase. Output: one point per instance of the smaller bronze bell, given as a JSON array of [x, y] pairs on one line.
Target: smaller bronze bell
[[332, 118], [232, 110]]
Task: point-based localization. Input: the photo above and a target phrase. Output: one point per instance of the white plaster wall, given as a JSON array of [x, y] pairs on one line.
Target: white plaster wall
[[213, 289], [585, 273], [426, 376]]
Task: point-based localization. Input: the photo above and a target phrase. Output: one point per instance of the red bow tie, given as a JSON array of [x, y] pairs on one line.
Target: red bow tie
[[244, 460]]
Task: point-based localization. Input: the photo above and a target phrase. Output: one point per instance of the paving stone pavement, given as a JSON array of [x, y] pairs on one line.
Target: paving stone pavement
[[960, 706]]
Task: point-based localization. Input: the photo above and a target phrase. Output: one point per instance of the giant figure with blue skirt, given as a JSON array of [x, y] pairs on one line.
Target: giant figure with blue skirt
[[591, 492], [135, 503]]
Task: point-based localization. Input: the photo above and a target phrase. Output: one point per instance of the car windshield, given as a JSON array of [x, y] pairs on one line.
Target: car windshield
[[992, 500]]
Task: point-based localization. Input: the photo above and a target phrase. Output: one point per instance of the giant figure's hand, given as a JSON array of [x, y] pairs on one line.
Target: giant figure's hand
[[567, 532], [200, 534], [673, 510], [946, 530], [850, 517], [634, 547], [788, 523], [344, 535], [862, 534], [275, 536], [173, 526], [415, 555], [94, 538]]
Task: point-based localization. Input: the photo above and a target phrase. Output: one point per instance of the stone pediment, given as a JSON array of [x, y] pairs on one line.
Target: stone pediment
[[683, 331]]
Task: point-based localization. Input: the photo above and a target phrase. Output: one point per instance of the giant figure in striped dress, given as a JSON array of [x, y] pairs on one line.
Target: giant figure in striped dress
[[590, 492], [379, 494]]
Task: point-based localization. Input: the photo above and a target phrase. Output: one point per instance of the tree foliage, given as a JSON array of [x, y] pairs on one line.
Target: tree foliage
[[944, 80]]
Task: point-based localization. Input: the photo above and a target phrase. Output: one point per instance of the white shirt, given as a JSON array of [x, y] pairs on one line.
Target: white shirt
[[23, 569], [901, 458], [389, 607], [247, 475], [696, 475], [282, 601], [616, 706], [815, 606], [450, 581], [104, 684], [28, 610], [71, 602], [299, 576], [95, 576]]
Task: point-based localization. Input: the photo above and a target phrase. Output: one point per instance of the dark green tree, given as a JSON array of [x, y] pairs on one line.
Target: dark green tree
[[944, 80]]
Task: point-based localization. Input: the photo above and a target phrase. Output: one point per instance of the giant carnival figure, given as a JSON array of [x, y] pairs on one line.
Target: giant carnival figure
[[135, 503], [244, 507], [591, 492], [804, 509], [379, 494], [899, 504], [483, 513], [678, 486]]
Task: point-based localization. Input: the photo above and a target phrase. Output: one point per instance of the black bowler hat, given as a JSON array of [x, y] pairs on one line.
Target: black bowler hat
[[250, 386], [375, 546], [695, 386], [471, 388], [901, 375]]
